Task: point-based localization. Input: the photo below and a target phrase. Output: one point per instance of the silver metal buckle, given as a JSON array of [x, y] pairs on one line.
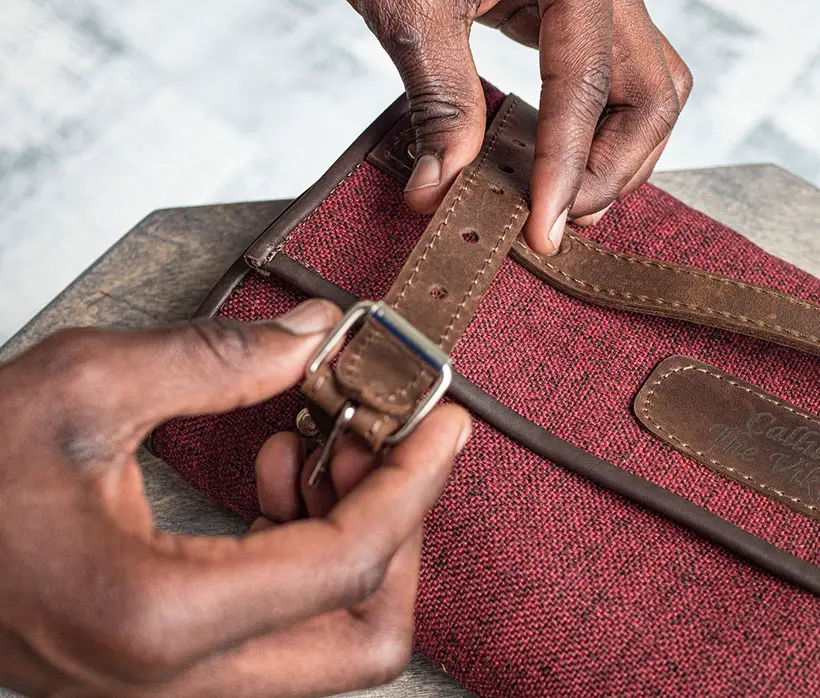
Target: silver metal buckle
[[411, 338]]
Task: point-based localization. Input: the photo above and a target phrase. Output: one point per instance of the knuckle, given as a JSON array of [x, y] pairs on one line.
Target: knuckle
[[663, 112], [592, 89], [441, 101], [398, 36], [684, 82], [365, 567], [387, 652], [585, 91], [226, 342], [604, 182], [74, 364], [596, 81], [435, 112], [139, 642], [75, 381]]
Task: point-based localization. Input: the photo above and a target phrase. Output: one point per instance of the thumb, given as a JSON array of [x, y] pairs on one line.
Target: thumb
[[431, 50], [135, 380], [221, 365]]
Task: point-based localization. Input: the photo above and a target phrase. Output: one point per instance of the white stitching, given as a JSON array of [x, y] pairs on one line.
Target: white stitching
[[718, 464], [522, 248]]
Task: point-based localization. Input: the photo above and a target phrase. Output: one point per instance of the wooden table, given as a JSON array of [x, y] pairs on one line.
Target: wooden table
[[161, 270]]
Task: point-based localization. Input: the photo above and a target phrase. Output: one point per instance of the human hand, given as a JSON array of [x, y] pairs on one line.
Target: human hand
[[612, 89], [95, 602]]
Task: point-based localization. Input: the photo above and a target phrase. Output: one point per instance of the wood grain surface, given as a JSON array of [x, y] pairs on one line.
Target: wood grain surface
[[161, 270]]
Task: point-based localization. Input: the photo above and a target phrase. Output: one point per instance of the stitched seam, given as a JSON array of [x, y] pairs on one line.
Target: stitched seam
[[355, 369], [356, 358], [691, 449], [280, 246], [676, 304], [692, 272]]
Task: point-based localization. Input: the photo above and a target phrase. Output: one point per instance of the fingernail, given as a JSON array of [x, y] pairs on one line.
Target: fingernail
[[426, 173], [310, 317], [464, 437], [557, 231], [592, 218]]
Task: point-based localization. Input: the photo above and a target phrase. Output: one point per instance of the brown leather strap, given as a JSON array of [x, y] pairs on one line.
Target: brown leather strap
[[640, 284], [597, 274], [440, 286]]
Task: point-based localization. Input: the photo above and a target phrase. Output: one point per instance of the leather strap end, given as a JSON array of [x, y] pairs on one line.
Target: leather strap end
[[322, 389], [592, 272]]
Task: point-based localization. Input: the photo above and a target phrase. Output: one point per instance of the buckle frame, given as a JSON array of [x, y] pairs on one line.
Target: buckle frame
[[410, 337]]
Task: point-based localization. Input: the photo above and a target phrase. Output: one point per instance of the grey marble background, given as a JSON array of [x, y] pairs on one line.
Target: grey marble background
[[112, 108]]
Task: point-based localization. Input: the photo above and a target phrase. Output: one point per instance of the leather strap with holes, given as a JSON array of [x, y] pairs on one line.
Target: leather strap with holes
[[440, 286], [630, 282]]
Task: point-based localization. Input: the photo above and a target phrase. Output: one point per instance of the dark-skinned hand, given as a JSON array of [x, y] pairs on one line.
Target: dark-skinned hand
[[612, 89], [94, 601]]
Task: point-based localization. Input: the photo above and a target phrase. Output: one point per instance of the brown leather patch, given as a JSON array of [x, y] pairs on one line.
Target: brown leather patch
[[735, 429]]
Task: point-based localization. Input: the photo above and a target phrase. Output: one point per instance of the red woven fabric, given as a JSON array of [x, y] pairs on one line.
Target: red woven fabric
[[534, 581]]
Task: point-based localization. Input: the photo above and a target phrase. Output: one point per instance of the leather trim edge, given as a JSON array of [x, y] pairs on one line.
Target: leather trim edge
[[270, 242], [226, 284], [541, 442], [222, 289]]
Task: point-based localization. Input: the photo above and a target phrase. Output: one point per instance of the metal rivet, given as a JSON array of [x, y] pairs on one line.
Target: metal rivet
[[305, 424]]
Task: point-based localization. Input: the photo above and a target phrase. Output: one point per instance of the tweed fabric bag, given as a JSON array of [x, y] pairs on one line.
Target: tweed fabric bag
[[597, 537]]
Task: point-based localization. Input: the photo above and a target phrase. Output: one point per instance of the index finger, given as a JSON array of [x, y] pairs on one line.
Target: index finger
[[225, 591], [576, 55]]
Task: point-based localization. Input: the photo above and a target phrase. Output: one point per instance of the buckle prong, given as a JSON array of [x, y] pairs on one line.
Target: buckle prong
[[327, 450]]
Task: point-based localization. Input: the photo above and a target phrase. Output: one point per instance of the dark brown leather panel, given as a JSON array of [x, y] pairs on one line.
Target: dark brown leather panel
[[393, 154], [735, 429], [632, 487], [597, 274], [444, 278]]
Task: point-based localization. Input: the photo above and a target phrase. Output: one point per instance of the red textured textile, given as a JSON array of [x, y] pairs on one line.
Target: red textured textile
[[534, 581]]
